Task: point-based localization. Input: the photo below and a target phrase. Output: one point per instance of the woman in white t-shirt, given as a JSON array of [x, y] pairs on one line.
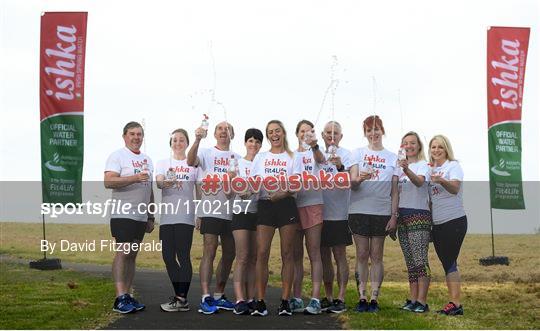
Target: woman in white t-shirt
[[414, 221], [449, 219], [276, 208], [373, 209], [244, 227], [310, 210], [177, 183]]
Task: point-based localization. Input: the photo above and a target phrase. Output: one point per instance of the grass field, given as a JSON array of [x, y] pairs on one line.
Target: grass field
[[58, 299], [499, 297]]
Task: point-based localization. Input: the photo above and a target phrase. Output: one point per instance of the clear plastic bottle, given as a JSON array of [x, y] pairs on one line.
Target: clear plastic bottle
[[402, 153], [233, 165], [332, 150], [171, 174], [305, 145], [205, 124]]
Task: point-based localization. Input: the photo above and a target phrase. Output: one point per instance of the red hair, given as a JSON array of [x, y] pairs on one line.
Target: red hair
[[373, 121]]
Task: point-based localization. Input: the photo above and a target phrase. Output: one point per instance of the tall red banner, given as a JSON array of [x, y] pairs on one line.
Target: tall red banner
[[506, 60], [61, 101]]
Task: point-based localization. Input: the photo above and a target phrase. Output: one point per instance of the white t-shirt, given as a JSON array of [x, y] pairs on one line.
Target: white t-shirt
[[178, 198], [411, 196], [336, 201], [447, 206], [267, 164], [215, 161], [373, 195], [244, 171], [311, 196], [126, 163]]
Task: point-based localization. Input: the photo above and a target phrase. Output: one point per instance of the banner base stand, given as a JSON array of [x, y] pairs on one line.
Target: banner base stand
[[494, 260], [46, 264]]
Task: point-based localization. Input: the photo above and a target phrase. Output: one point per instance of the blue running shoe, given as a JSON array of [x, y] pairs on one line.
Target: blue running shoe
[[373, 306], [138, 306], [208, 306], [123, 305], [223, 303], [362, 306]]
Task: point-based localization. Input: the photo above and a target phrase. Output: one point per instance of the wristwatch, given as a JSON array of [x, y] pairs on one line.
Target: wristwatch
[[341, 168], [396, 214], [316, 147]]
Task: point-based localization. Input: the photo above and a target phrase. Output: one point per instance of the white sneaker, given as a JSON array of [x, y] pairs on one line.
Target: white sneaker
[[175, 305]]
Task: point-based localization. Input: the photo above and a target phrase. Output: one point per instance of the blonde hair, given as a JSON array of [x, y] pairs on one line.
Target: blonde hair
[[420, 155], [447, 147], [285, 143]]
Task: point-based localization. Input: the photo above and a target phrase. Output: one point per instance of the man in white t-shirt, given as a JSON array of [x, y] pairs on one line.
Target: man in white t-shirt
[[128, 173], [215, 222], [335, 236]]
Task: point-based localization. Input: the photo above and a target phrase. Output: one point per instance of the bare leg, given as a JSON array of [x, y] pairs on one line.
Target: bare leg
[[376, 250], [210, 243], [362, 268], [250, 270], [328, 272], [264, 240], [313, 245], [224, 267], [287, 234], [340, 255], [298, 263], [453, 281], [241, 242]]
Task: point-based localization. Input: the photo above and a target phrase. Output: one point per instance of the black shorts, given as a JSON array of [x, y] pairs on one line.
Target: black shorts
[[368, 225], [217, 226], [277, 214], [244, 221], [126, 230], [335, 233]]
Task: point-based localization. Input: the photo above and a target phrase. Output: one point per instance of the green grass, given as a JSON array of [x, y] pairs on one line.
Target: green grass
[[34, 299]]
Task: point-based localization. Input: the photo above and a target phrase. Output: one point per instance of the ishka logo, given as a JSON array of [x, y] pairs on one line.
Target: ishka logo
[[507, 83], [64, 71]]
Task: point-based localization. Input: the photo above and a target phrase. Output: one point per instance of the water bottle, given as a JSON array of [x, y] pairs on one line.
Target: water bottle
[[332, 150], [171, 175], [233, 165], [305, 145], [402, 153], [205, 124]]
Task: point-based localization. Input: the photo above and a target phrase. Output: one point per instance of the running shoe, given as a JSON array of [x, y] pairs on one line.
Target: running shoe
[[175, 305], [284, 308], [208, 306], [337, 307], [313, 308], [420, 308], [408, 305], [251, 305], [362, 306], [122, 305], [223, 303], [451, 309], [136, 304], [325, 304], [260, 309], [297, 305], [373, 306], [241, 308]]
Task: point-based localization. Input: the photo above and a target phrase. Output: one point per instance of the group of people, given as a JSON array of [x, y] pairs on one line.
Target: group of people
[[389, 193]]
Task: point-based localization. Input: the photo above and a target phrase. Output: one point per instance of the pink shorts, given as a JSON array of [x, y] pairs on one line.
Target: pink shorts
[[310, 216]]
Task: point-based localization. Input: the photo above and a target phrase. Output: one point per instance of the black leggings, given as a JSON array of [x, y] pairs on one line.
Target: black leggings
[[176, 242], [447, 239]]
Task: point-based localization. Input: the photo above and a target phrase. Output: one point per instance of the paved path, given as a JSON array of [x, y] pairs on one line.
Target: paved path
[[153, 288]]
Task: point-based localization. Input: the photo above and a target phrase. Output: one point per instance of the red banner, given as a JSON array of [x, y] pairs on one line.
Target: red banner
[[506, 59], [61, 100], [62, 53]]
